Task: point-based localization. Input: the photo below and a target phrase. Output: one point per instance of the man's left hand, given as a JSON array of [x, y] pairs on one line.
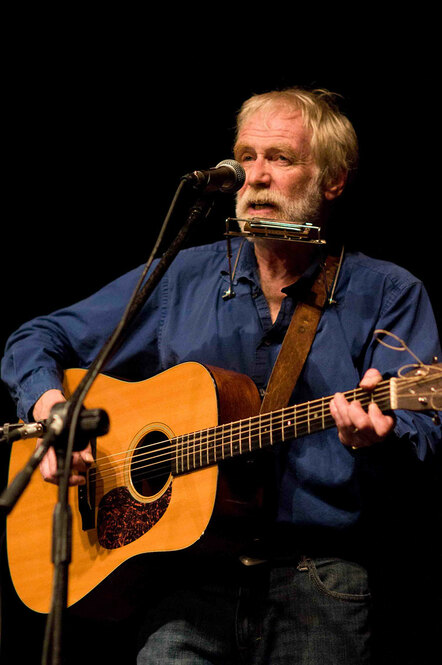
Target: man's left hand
[[356, 427]]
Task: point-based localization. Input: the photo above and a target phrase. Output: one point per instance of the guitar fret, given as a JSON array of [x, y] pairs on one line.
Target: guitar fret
[[186, 453], [208, 448], [182, 454], [205, 448], [314, 421], [201, 447], [292, 425], [176, 455], [236, 439], [229, 441], [213, 443]]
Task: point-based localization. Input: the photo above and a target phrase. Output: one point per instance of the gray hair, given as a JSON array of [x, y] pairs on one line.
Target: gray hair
[[333, 139]]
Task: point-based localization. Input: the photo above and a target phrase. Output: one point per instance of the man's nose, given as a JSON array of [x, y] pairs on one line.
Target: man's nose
[[258, 173]]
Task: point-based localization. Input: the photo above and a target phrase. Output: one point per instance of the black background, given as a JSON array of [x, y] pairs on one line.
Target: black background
[[101, 122], [94, 156]]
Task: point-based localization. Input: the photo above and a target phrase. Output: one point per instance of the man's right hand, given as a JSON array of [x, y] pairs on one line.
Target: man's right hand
[[48, 467]]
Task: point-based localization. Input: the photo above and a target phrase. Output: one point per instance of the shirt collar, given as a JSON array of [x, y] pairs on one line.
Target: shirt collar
[[247, 268]]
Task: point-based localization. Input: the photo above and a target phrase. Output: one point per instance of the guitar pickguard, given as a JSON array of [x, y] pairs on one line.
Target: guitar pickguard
[[122, 519]]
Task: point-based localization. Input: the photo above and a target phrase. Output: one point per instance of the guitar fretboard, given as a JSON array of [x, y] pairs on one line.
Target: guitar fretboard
[[210, 446]]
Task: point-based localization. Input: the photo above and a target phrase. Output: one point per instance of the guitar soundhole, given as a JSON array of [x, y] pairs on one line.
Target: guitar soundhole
[[151, 464]]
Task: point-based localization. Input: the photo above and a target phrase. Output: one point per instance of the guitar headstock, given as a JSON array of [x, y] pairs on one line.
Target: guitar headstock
[[419, 389]]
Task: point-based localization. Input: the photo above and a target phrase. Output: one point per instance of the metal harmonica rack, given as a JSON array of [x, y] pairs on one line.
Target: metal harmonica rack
[[270, 229], [274, 229]]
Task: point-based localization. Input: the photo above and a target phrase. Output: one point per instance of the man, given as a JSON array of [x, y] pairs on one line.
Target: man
[[307, 600]]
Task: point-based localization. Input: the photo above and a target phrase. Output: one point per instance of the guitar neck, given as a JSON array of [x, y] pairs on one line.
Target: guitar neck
[[210, 446]]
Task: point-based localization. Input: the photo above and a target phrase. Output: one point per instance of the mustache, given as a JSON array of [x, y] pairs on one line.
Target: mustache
[[263, 198]]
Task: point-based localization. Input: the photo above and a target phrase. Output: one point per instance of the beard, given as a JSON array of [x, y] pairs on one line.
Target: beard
[[305, 208]]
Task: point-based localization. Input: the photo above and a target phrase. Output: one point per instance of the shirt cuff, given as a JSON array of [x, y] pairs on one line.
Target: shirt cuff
[[33, 388]]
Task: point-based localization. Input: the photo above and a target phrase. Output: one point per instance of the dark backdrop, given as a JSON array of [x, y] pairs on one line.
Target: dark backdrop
[[94, 157], [95, 148]]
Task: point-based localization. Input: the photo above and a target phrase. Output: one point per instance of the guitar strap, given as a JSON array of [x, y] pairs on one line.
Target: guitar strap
[[299, 337]]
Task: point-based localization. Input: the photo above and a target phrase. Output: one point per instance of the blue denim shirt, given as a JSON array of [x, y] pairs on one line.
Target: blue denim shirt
[[187, 319]]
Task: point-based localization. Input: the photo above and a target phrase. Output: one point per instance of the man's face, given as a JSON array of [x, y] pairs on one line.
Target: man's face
[[282, 179]]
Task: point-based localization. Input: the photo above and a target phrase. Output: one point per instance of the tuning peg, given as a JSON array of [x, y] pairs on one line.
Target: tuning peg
[[435, 418]]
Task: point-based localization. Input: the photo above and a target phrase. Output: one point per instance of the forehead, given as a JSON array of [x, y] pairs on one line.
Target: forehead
[[275, 126]]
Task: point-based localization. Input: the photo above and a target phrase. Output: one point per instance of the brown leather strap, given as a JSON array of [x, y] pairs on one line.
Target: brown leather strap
[[298, 340]]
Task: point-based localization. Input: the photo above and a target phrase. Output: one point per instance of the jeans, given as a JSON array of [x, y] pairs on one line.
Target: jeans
[[315, 612]]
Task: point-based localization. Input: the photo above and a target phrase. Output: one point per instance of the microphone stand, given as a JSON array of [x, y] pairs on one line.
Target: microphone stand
[[62, 520]]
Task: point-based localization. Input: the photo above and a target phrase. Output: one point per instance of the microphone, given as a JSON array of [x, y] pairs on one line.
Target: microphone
[[92, 422], [14, 432], [228, 176]]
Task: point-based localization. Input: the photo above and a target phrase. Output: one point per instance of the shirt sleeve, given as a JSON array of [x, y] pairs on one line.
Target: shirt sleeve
[[37, 354], [407, 312]]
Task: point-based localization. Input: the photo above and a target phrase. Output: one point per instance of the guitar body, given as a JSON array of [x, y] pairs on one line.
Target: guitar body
[[154, 483], [119, 518]]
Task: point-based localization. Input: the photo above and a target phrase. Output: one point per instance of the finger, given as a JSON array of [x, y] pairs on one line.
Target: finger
[[360, 419], [360, 430], [370, 379], [350, 415], [76, 479], [353, 423], [382, 424], [339, 411], [356, 427], [81, 461], [48, 466], [369, 428]]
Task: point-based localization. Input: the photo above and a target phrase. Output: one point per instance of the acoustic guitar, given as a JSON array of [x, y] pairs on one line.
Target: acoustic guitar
[[154, 483]]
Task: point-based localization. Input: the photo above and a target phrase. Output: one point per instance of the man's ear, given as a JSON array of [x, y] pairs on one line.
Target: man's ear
[[334, 188]]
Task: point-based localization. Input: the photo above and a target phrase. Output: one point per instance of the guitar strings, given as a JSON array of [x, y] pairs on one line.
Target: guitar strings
[[211, 433], [188, 441], [196, 456], [190, 455], [214, 437], [260, 420]]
